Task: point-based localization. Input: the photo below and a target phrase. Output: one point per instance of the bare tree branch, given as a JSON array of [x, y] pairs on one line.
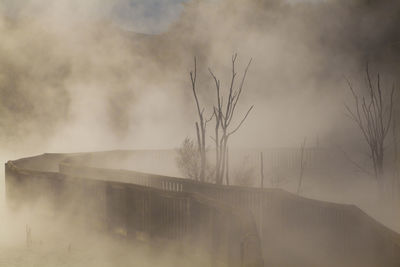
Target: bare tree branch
[[223, 114], [373, 116], [241, 122]]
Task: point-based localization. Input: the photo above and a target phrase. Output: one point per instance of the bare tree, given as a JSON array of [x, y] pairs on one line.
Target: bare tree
[[223, 116], [302, 166], [201, 125], [372, 113]]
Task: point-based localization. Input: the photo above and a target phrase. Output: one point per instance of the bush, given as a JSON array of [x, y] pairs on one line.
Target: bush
[[188, 161]]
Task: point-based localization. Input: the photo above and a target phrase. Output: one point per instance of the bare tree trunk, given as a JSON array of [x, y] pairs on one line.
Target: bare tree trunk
[[203, 155], [201, 126], [223, 160], [217, 149], [199, 145], [227, 166], [262, 169], [28, 236], [302, 163], [395, 178]]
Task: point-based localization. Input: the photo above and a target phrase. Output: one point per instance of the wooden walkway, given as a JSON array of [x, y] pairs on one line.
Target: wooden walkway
[[235, 226]]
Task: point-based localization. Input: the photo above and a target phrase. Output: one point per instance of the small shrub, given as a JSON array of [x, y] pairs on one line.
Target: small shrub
[[188, 159], [188, 162]]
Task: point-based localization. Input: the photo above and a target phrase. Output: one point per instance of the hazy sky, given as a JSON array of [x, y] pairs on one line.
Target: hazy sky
[[143, 16], [148, 16], [151, 15]]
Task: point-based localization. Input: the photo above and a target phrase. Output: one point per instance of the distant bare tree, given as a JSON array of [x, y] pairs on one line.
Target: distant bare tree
[[396, 173], [262, 170], [372, 113], [28, 231], [201, 125], [302, 166], [223, 117]]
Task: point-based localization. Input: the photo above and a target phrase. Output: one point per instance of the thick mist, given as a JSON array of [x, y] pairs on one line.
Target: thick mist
[[95, 75], [70, 72]]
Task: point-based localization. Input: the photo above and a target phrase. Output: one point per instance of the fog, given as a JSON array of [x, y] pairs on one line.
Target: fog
[[94, 75], [71, 73]]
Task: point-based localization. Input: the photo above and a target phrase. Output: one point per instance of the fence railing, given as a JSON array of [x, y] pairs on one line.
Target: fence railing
[[137, 211], [169, 207]]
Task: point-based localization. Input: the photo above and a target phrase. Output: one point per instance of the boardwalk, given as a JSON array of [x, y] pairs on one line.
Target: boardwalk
[[238, 226]]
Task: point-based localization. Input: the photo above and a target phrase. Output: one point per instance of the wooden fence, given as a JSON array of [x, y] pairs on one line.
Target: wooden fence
[[287, 229], [134, 211]]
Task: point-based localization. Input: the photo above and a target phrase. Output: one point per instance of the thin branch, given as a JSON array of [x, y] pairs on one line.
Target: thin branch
[[239, 92], [198, 136], [240, 124], [353, 162], [193, 77], [211, 117]]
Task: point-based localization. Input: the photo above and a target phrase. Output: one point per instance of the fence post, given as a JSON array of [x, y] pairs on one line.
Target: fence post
[[262, 169]]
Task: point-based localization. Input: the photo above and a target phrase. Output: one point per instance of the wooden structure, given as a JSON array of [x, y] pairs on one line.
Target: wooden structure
[[235, 226]]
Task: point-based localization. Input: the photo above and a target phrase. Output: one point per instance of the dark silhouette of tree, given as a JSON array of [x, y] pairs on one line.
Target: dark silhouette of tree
[[224, 114], [302, 166], [372, 112], [201, 125]]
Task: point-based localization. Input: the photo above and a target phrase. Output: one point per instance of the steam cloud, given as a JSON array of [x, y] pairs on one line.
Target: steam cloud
[[72, 71], [96, 75]]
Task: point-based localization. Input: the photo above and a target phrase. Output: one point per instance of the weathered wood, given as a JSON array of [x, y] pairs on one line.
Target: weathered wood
[[229, 220]]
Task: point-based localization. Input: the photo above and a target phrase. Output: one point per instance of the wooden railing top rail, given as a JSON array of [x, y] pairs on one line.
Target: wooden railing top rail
[[14, 165]]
